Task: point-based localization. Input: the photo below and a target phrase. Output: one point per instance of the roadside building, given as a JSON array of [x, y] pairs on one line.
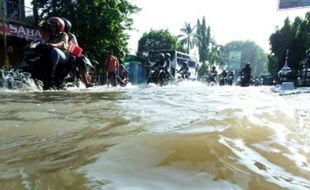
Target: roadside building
[[17, 29]]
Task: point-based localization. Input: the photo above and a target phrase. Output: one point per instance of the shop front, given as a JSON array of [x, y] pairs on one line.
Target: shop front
[[15, 36]]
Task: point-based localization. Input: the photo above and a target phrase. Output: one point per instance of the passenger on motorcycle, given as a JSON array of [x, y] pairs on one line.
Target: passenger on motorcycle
[[68, 26], [58, 42], [73, 40]]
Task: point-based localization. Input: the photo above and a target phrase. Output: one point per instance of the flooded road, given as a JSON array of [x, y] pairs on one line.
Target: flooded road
[[179, 137]]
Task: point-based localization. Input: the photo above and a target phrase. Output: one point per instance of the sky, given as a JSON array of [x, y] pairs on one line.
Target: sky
[[229, 20]]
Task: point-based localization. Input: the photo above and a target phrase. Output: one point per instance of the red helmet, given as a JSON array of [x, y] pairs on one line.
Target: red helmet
[[56, 22]]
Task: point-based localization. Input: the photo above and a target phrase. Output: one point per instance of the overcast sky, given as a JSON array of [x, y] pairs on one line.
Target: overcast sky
[[229, 20]]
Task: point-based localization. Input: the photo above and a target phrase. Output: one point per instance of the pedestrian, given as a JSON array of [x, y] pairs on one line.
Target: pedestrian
[[112, 67]]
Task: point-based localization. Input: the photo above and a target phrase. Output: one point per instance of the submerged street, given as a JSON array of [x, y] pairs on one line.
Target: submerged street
[[185, 136]]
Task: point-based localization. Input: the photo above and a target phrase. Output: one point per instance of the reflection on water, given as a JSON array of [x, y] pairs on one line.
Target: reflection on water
[[185, 136]]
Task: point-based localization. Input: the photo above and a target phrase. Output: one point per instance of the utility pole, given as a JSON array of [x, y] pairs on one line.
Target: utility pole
[[6, 59]]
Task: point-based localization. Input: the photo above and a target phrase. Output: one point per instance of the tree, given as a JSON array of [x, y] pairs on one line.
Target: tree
[[215, 55], [251, 52], [188, 37], [293, 36], [156, 40], [203, 40]]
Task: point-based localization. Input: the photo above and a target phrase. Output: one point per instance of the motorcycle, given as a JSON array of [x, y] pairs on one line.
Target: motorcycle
[[158, 75], [245, 80], [230, 80], [223, 80], [212, 79], [184, 74], [36, 62], [152, 77]]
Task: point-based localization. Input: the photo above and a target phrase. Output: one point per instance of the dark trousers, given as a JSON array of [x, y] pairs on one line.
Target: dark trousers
[[112, 78]]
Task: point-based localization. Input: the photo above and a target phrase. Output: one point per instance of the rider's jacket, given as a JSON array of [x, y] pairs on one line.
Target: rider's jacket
[[246, 71], [59, 37]]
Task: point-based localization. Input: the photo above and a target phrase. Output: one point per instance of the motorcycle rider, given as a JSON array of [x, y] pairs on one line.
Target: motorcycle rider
[[184, 70], [213, 74], [224, 73], [246, 71], [223, 77], [58, 42], [166, 65], [246, 75], [231, 77], [122, 76]]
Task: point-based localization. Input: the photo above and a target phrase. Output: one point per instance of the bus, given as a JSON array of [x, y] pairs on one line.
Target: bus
[[177, 58]]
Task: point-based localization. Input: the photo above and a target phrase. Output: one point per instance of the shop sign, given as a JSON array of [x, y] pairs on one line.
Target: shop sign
[[20, 31]]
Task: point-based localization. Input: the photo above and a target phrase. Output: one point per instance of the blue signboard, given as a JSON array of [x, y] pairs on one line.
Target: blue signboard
[[234, 62], [288, 4]]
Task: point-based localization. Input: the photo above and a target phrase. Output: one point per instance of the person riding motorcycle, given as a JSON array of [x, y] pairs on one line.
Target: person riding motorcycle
[[246, 73], [213, 74], [184, 70], [122, 77], [58, 42], [231, 77], [223, 77], [167, 64]]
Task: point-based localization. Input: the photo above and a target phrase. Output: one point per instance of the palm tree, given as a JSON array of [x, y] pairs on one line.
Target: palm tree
[[188, 36]]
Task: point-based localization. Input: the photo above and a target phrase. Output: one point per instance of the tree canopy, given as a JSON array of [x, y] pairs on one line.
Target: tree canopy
[[293, 36], [251, 52], [156, 40]]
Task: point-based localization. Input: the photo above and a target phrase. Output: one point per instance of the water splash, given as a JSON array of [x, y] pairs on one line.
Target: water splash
[[15, 80]]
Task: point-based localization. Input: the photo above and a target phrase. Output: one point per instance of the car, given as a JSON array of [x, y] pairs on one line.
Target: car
[[266, 79]]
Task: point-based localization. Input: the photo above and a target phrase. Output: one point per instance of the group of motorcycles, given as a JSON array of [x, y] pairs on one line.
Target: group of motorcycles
[[159, 74]]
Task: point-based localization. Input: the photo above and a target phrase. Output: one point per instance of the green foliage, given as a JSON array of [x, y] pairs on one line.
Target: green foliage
[[251, 52], [293, 36], [203, 37], [99, 25], [188, 37], [202, 70], [156, 40]]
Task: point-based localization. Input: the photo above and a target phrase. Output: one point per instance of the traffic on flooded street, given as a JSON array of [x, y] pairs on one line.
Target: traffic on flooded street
[[155, 95]]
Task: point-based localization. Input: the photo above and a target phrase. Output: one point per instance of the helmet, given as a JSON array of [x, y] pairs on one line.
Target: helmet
[[161, 56], [167, 55], [247, 64], [68, 24], [57, 23]]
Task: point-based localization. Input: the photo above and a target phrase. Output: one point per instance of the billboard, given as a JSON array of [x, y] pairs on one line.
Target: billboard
[[289, 4], [234, 62]]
